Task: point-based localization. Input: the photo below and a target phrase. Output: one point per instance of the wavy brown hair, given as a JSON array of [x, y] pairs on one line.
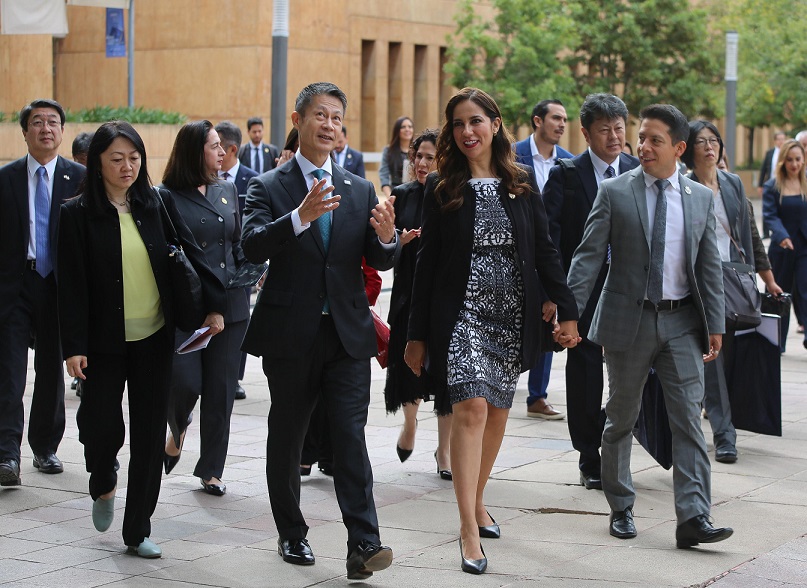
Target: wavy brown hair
[[780, 172], [452, 165]]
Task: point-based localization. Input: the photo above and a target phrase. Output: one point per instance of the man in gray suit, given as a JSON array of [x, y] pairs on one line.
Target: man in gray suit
[[661, 307]]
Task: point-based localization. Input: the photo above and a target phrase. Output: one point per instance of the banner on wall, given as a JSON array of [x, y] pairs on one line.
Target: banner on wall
[[33, 17], [115, 36]]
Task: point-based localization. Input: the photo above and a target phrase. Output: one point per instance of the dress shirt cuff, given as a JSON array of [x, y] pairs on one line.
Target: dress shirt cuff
[[388, 247], [298, 225]]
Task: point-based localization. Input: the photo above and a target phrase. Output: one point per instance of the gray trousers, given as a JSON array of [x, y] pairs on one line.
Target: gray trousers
[[716, 398], [670, 342]]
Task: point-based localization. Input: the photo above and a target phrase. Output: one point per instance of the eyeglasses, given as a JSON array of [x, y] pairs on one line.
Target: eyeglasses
[[712, 141], [39, 124]]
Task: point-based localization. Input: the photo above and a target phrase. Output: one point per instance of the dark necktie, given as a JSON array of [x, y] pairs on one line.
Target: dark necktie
[[225, 176], [42, 219], [655, 283], [324, 223], [610, 173], [256, 160]]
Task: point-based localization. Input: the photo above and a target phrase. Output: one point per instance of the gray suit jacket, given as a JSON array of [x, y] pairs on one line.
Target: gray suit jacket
[[619, 217]]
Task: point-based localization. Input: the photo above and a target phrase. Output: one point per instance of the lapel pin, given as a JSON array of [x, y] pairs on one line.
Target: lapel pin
[[512, 196], [348, 182], [266, 149], [687, 189], [67, 178], [224, 201]]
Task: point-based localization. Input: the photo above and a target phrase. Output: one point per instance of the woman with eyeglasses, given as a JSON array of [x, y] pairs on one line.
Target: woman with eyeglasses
[[784, 207], [735, 241]]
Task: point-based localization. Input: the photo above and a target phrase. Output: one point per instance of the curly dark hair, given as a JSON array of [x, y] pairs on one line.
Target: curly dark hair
[[452, 165]]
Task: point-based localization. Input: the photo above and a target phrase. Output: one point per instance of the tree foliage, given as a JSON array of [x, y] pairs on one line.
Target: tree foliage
[[642, 50]]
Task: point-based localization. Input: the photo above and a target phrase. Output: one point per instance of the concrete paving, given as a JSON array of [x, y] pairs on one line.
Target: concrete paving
[[554, 532]]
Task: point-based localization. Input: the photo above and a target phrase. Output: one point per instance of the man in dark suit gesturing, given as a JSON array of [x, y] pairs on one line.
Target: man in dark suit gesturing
[[311, 324], [32, 190], [661, 307], [568, 195]]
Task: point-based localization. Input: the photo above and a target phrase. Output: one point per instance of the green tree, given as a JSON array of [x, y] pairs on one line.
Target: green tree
[[514, 56], [642, 50]]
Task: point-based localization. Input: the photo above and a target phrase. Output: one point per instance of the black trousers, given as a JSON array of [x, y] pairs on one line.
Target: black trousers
[[585, 416], [146, 369], [212, 374], [33, 316], [344, 384]]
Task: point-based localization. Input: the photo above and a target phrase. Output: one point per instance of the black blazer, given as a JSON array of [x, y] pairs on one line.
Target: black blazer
[[91, 274], [288, 310], [215, 223], [766, 171], [14, 221], [736, 204], [408, 213], [444, 264], [567, 216], [242, 178], [268, 151]]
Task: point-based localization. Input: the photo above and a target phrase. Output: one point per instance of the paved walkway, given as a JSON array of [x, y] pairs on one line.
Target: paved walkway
[[554, 532]]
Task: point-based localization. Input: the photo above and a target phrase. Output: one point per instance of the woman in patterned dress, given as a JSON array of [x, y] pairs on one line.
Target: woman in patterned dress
[[474, 323]]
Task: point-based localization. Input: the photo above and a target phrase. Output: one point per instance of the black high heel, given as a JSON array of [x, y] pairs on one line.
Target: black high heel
[[473, 566], [444, 474], [305, 470], [491, 531], [404, 454], [170, 461]]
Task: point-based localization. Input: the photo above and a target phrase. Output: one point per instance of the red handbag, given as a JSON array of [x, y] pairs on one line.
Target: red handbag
[[382, 339]]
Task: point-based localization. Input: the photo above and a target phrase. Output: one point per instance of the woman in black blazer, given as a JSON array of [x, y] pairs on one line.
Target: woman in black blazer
[[117, 322], [209, 207], [475, 315], [703, 153]]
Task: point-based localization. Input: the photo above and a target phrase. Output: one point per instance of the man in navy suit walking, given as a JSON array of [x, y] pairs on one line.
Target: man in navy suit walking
[[541, 151], [568, 196]]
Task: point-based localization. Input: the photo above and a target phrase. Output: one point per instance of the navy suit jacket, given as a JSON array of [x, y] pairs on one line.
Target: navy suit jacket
[[524, 151], [301, 272], [354, 162], [14, 221], [242, 178], [269, 151]]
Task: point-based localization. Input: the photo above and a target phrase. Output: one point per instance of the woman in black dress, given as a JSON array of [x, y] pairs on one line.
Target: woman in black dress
[[403, 388], [475, 318]]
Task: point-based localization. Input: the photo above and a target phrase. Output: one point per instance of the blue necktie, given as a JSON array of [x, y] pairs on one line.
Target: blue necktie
[[324, 223], [42, 213], [609, 173], [655, 283]]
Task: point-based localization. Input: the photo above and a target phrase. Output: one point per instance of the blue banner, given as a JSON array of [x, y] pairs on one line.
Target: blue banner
[[115, 35]]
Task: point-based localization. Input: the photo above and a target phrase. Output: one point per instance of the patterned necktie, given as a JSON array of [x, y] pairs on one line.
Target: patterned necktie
[[610, 173], [225, 176], [42, 217], [655, 283], [324, 223]]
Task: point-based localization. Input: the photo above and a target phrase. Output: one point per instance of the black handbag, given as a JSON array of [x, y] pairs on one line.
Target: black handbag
[[186, 287], [743, 300]]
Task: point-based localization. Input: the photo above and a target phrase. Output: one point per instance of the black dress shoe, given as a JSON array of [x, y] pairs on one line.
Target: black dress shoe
[[366, 558], [473, 566], [296, 551], [727, 455], [700, 530], [326, 468], [214, 489], [622, 525], [491, 531], [305, 470], [48, 463], [590, 481], [9, 472], [240, 393], [170, 461]]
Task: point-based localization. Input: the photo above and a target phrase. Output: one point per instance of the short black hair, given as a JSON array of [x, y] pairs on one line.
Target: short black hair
[[670, 116], [602, 105], [308, 93], [344, 130], [542, 108], [255, 120], [229, 133], [25, 113], [695, 127], [81, 144]]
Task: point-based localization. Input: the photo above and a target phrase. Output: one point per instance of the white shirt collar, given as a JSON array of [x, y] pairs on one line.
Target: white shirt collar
[[308, 168], [232, 171], [600, 166], [50, 167], [673, 179], [535, 153]]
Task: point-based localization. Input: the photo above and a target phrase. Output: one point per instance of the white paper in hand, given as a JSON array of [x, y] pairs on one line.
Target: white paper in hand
[[199, 340]]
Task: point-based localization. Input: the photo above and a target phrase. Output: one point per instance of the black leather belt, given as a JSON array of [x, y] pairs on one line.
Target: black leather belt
[[30, 264], [664, 305]]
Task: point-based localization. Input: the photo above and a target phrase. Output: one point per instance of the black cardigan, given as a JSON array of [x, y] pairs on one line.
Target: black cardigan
[[91, 274]]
